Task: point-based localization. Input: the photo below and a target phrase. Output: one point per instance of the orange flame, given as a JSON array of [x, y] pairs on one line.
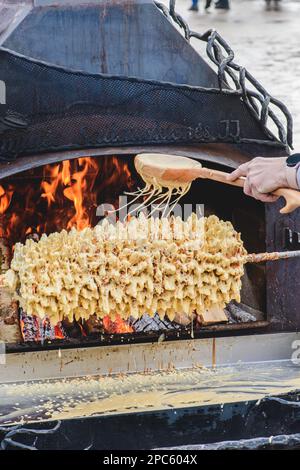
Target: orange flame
[[58, 332], [51, 188], [60, 196], [116, 326], [81, 329], [75, 191], [66, 172]]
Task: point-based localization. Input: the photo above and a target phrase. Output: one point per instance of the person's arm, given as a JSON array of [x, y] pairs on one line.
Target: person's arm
[[265, 175]]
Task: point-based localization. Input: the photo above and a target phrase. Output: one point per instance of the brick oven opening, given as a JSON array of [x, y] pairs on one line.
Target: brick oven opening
[[66, 194]]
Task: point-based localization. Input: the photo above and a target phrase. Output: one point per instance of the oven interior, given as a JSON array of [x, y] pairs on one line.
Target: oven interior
[[66, 194]]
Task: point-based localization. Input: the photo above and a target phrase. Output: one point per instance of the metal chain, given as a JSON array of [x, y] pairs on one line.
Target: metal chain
[[257, 99]]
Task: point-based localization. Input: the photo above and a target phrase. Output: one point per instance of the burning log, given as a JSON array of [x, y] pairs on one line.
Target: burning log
[[213, 315], [34, 328], [74, 328], [241, 313]]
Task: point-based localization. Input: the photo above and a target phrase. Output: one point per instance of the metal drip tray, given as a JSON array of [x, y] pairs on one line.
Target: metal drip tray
[[246, 399]]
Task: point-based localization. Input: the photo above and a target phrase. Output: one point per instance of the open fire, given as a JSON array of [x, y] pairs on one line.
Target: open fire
[[60, 196], [56, 197]]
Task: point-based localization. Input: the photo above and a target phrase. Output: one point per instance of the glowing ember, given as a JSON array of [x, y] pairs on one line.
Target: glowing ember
[[35, 329], [58, 333], [116, 326]]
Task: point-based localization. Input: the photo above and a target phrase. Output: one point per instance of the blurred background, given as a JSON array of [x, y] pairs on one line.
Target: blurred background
[[265, 36]]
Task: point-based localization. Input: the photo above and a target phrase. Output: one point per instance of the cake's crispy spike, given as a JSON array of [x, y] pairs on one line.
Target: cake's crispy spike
[[158, 265]]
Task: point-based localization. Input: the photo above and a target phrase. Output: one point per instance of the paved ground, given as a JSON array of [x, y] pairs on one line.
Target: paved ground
[[266, 42]]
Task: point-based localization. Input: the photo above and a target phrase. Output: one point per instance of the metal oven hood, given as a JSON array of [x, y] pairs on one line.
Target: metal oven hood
[[104, 74], [128, 38]]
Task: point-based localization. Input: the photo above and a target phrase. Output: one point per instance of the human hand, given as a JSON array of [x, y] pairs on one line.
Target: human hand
[[265, 175]]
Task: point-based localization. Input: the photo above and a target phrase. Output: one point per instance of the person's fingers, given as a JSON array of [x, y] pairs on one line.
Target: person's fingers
[[240, 171], [247, 188]]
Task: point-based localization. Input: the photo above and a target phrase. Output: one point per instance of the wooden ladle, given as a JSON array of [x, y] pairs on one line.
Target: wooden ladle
[[166, 170]]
